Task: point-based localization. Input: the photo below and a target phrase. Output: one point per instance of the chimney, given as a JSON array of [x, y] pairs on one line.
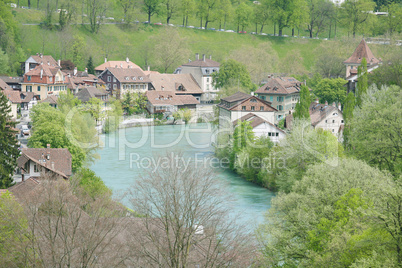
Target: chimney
[[105, 60], [149, 68], [41, 73], [121, 65], [203, 57], [86, 70], [48, 151], [197, 56], [317, 101], [41, 55], [48, 63], [334, 104], [339, 106], [162, 88], [210, 57], [326, 103], [75, 71], [127, 60], [52, 165], [48, 146], [252, 93], [59, 63]]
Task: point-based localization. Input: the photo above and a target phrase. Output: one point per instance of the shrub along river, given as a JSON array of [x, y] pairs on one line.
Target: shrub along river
[[127, 153]]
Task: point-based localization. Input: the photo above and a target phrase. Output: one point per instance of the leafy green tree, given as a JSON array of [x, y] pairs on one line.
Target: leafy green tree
[[319, 12], [243, 137], [225, 12], [171, 8], [4, 67], [127, 6], [231, 74], [113, 116], [187, 8], [355, 13], [304, 146], [8, 144], [90, 66], [97, 10], [183, 114], [362, 83], [282, 12], [151, 7], [207, 10], [65, 18], [394, 18], [134, 103], [261, 15], [303, 105], [77, 50], [388, 74], [242, 16], [376, 127], [348, 108], [92, 185], [328, 218], [331, 90]]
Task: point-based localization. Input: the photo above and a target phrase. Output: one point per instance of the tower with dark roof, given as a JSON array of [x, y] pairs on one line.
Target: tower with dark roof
[[354, 61]]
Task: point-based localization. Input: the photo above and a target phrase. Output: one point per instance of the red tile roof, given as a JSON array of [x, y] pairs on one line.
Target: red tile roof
[[47, 70], [12, 95], [203, 63], [45, 59], [255, 121], [117, 64], [3, 85], [362, 51], [172, 82], [129, 75], [23, 188], [281, 85], [156, 97]]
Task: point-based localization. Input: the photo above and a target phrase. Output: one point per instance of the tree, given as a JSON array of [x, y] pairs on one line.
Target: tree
[[319, 12], [303, 105], [97, 10], [77, 50], [172, 51], [348, 108], [283, 11], [260, 61], [331, 90], [233, 74], [242, 16], [207, 11], [4, 68], [356, 13], [186, 9], [328, 220], [390, 72], [151, 7], [90, 66], [126, 5], [225, 12], [170, 9], [8, 144], [376, 127], [394, 18], [261, 15], [243, 136], [92, 185], [65, 17], [301, 148], [183, 218], [362, 83]]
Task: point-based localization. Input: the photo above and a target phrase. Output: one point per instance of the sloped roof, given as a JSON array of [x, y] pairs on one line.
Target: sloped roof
[[362, 51], [3, 85], [87, 93], [203, 63], [21, 189], [238, 96], [28, 96], [12, 95], [158, 97], [255, 121], [117, 64], [60, 157], [172, 82], [47, 70], [280, 85], [52, 99], [45, 59], [319, 112], [129, 75]]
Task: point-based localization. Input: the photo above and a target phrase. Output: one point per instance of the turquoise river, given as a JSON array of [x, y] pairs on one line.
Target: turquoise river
[[127, 153]]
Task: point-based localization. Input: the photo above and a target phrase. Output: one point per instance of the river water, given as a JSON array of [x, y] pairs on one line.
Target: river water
[[127, 153]]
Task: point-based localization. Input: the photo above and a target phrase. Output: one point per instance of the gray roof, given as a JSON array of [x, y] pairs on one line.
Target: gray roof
[[87, 93]]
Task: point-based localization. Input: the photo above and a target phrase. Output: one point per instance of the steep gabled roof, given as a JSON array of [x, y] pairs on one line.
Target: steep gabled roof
[[52, 99], [281, 85], [47, 70], [255, 121], [319, 112], [12, 95], [117, 64], [23, 188], [3, 85], [158, 97], [45, 59], [87, 93], [173, 82], [238, 96], [130, 75], [362, 51]]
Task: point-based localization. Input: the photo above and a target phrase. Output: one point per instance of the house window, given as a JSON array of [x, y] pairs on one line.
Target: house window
[[277, 134], [29, 78], [342, 121], [29, 88], [261, 108], [114, 86], [38, 88], [253, 100], [263, 97], [333, 130], [243, 108], [109, 86], [279, 99], [252, 108], [109, 78], [207, 79], [333, 121], [50, 79], [36, 168], [114, 79], [279, 107], [271, 98], [326, 121]]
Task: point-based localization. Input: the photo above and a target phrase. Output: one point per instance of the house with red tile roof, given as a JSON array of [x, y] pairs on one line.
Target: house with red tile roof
[[39, 59], [120, 81], [14, 100], [240, 104], [181, 84], [283, 93], [168, 101], [202, 70], [262, 127], [35, 161], [45, 80], [78, 80]]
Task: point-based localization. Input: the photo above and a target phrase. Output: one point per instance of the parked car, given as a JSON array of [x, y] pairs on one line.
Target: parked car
[[25, 130], [158, 23], [243, 32], [190, 26], [170, 24], [211, 29], [229, 31], [221, 30]]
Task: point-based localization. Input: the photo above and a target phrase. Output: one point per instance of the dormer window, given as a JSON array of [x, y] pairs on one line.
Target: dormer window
[[127, 78], [50, 78], [253, 100], [28, 77], [141, 78]]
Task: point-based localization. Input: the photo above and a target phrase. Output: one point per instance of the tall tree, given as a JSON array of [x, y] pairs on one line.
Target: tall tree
[[362, 83], [186, 9], [233, 74], [348, 108], [96, 13], [319, 12], [151, 7], [90, 66], [225, 12], [283, 10], [242, 16], [171, 7], [261, 15], [303, 105], [331, 90], [8, 144], [207, 11], [126, 5], [356, 13], [377, 126]]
